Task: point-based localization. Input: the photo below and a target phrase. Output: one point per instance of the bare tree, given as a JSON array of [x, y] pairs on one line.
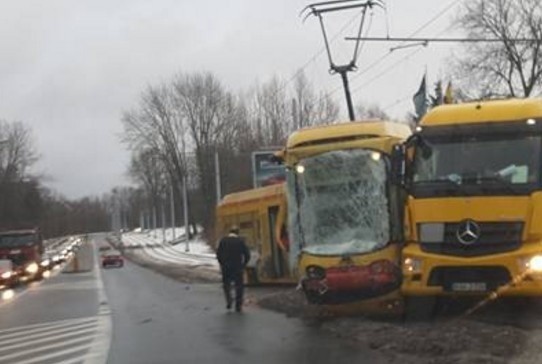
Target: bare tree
[[275, 111], [17, 151], [508, 67], [308, 108], [210, 114], [370, 111]]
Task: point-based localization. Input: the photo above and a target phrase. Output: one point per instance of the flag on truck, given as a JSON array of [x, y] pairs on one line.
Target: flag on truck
[[448, 95], [420, 99]]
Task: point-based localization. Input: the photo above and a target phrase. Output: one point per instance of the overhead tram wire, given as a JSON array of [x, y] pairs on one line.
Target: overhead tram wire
[[399, 61], [319, 53], [428, 40], [389, 52]]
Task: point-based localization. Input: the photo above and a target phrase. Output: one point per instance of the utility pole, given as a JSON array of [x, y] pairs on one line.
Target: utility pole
[[217, 172], [142, 220], [154, 222], [163, 208], [172, 210], [185, 213]]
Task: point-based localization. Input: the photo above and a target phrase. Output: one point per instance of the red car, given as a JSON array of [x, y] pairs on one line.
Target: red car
[[112, 259]]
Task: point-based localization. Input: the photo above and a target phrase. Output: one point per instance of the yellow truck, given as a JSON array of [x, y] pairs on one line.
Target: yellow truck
[[345, 217], [260, 214], [474, 209]]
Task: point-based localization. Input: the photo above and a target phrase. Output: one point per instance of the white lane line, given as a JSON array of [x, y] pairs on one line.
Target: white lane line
[[48, 325], [83, 343], [44, 339], [99, 349], [44, 332], [55, 354]]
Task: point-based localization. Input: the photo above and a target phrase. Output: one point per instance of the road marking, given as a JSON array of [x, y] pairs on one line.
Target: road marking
[[40, 342], [48, 325], [42, 358], [45, 333], [99, 350]]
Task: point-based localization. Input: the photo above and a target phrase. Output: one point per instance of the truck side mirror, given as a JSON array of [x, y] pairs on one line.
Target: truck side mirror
[[398, 165]]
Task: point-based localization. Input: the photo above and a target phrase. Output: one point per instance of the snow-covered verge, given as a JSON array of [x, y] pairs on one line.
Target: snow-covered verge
[[153, 246], [192, 261]]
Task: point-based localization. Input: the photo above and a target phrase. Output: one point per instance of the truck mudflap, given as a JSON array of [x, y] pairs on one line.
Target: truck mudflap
[[343, 284]]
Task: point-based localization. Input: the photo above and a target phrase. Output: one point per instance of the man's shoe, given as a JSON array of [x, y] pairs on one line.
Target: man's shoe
[[228, 306], [238, 309]]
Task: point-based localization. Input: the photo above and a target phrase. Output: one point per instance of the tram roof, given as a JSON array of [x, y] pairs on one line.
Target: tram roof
[[334, 132]]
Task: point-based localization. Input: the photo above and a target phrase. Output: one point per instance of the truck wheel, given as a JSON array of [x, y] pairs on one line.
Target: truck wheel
[[420, 308]]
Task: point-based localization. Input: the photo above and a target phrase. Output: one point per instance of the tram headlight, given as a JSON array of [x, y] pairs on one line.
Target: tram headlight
[[300, 169], [315, 272], [412, 265], [6, 275]]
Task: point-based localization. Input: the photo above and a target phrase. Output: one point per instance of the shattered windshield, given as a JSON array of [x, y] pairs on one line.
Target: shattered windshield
[[478, 164], [339, 200]]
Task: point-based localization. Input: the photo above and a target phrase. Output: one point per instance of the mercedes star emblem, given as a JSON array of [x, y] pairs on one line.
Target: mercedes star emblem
[[468, 232]]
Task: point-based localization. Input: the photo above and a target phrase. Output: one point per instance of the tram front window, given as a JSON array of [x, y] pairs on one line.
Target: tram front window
[[340, 205]]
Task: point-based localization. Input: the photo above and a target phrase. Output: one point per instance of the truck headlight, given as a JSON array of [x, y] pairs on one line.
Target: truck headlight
[[412, 265], [531, 264], [32, 268], [535, 263], [6, 275]]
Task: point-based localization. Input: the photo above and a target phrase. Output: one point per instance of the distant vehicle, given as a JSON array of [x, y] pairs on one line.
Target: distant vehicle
[[112, 258], [49, 260], [104, 248], [8, 277], [24, 248]]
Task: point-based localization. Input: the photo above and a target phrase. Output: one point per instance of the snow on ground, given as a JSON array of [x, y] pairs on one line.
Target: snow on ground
[[156, 246]]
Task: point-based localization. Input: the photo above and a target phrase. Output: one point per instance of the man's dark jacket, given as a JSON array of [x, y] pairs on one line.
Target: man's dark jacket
[[232, 253]]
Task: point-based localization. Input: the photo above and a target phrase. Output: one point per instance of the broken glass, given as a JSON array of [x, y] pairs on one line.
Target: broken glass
[[338, 204]]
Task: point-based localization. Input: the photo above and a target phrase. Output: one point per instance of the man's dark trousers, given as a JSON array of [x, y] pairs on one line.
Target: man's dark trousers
[[235, 276]]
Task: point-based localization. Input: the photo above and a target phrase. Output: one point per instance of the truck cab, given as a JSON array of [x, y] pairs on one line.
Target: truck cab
[[474, 211]]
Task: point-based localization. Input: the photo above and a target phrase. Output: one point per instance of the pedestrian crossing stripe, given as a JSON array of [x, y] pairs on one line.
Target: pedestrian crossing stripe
[[82, 340]]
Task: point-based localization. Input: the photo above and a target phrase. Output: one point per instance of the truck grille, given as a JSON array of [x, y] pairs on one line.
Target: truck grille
[[495, 237], [492, 276]]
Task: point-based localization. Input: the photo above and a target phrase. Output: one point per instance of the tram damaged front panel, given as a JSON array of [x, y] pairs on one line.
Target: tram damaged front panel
[[340, 225]]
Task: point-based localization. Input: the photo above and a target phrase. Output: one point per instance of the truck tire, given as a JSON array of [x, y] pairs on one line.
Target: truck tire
[[420, 308]]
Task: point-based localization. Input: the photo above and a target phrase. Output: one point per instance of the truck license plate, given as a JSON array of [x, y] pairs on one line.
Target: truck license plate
[[469, 287]]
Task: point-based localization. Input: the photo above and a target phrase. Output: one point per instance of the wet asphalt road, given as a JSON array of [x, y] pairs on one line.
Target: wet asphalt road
[[134, 315], [60, 320], [159, 320]]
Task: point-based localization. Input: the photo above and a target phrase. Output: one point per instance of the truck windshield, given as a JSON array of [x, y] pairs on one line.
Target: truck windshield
[[477, 165], [17, 240], [338, 202]]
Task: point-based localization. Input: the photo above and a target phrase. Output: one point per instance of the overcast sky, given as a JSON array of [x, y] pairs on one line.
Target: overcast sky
[[69, 68]]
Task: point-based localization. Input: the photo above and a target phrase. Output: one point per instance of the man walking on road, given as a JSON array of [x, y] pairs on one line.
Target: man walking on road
[[233, 255]]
